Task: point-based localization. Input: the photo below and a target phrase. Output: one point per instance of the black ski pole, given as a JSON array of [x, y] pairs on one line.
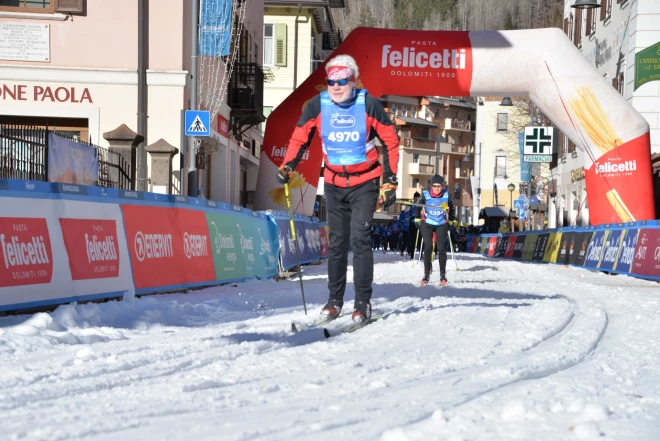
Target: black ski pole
[[295, 241]]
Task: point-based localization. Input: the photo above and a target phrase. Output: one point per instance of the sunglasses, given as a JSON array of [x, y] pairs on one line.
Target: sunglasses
[[342, 82], [437, 186]]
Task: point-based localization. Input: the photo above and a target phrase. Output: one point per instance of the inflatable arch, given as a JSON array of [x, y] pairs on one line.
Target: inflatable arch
[[541, 63]]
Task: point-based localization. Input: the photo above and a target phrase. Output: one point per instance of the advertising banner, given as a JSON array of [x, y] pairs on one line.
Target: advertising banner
[[552, 248], [519, 247], [647, 254], [582, 241], [228, 256], [91, 245], [510, 246], [169, 247], [595, 250], [626, 255], [541, 245], [501, 246], [492, 246], [71, 162], [215, 27], [611, 250], [566, 248], [27, 257], [529, 247]]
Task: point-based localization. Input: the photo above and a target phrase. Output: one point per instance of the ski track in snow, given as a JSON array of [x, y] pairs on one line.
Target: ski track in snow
[[507, 350]]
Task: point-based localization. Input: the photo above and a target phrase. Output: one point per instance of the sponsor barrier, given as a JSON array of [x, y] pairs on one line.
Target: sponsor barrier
[[61, 243], [626, 248]]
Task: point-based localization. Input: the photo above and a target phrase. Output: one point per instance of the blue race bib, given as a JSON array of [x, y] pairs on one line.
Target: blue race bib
[[344, 130]]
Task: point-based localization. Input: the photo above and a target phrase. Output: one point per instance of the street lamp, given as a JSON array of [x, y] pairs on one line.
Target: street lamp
[[586, 4], [511, 187]]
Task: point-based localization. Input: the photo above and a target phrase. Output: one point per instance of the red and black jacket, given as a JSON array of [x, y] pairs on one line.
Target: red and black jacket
[[378, 124]]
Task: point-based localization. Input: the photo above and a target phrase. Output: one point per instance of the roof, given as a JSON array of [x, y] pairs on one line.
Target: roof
[[492, 212], [416, 121], [439, 100]]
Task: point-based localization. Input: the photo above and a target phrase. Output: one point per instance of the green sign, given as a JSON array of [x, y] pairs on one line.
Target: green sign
[[242, 246], [537, 158], [647, 65]]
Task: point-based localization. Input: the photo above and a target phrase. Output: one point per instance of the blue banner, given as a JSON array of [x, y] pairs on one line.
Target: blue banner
[[627, 251], [70, 162], [307, 235], [595, 250], [611, 250], [215, 27], [525, 167]]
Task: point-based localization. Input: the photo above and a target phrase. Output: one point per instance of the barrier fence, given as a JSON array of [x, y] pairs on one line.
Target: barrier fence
[[631, 248], [64, 242]]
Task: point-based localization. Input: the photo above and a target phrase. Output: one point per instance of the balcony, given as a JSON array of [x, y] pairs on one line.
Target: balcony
[[416, 143], [456, 149], [245, 96], [453, 124], [420, 169]]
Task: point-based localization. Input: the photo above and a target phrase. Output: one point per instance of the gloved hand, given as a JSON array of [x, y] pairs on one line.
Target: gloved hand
[[387, 194], [284, 174]]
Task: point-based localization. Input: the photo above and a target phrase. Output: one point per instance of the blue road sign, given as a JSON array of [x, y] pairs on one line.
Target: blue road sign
[[198, 123], [521, 213], [518, 203], [534, 200]]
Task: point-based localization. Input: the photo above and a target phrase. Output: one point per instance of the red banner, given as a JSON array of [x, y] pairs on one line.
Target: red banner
[[168, 246], [27, 257], [510, 247], [612, 196], [92, 247], [492, 246], [647, 254]]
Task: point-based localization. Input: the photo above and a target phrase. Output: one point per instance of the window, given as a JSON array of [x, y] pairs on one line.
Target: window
[[591, 22], [267, 111], [605, 9], [269, 44], [619, 84], [415, 158], [457, 168], [502, 122], [415, 183], [500, 166], [45, 6], [393, 108], [577, 38], [404, 111], [414, 112]]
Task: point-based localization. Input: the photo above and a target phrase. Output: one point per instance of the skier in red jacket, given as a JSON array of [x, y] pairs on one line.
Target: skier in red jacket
[[348, 121]]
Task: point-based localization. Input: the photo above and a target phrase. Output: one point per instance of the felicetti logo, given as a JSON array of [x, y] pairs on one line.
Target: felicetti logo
[[152, 246], [342, 121], [423, 58], [27, 257], [614, 168], [91, 245]]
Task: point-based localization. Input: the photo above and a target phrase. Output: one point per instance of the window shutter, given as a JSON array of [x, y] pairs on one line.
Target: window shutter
[[280, 44], [603, 10], [69, 6]]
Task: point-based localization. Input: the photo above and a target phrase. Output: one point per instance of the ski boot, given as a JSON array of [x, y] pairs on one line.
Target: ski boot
[[443, 278], [426, 279], [332, 308], [362, 311]]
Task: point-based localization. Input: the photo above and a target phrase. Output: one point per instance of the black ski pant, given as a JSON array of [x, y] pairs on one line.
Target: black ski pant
[[440, 240], [403, 245], [412, 238], [350, 212]]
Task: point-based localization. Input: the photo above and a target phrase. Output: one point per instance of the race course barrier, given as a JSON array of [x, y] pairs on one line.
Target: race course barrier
[[61, 243], [627, 248]]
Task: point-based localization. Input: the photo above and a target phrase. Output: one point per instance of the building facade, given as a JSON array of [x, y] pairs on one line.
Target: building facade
[[73, 67], [609, 37]]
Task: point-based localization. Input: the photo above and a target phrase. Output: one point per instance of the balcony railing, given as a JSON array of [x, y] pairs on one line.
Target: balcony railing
[[453, 124], [414, 143], [420, 169], [245, 96], [455, 148]]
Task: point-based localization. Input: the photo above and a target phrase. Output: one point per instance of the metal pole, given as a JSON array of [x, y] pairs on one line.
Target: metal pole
[[295, 49], [143, 54], [191, 171], [295, 242]]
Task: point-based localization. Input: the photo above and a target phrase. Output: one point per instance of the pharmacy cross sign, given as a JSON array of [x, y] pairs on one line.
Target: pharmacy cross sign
[[538, 144]]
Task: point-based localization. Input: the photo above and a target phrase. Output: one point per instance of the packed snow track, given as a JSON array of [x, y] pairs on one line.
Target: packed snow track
[[507, 350]]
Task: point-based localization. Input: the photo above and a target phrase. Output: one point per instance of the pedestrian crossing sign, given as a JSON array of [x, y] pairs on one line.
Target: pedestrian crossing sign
[[198, 123]]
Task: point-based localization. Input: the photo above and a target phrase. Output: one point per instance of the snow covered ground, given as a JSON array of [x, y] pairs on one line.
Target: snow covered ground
[[507, 351]]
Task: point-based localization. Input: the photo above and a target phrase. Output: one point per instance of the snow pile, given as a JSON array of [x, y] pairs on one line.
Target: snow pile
[[507, 351]]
